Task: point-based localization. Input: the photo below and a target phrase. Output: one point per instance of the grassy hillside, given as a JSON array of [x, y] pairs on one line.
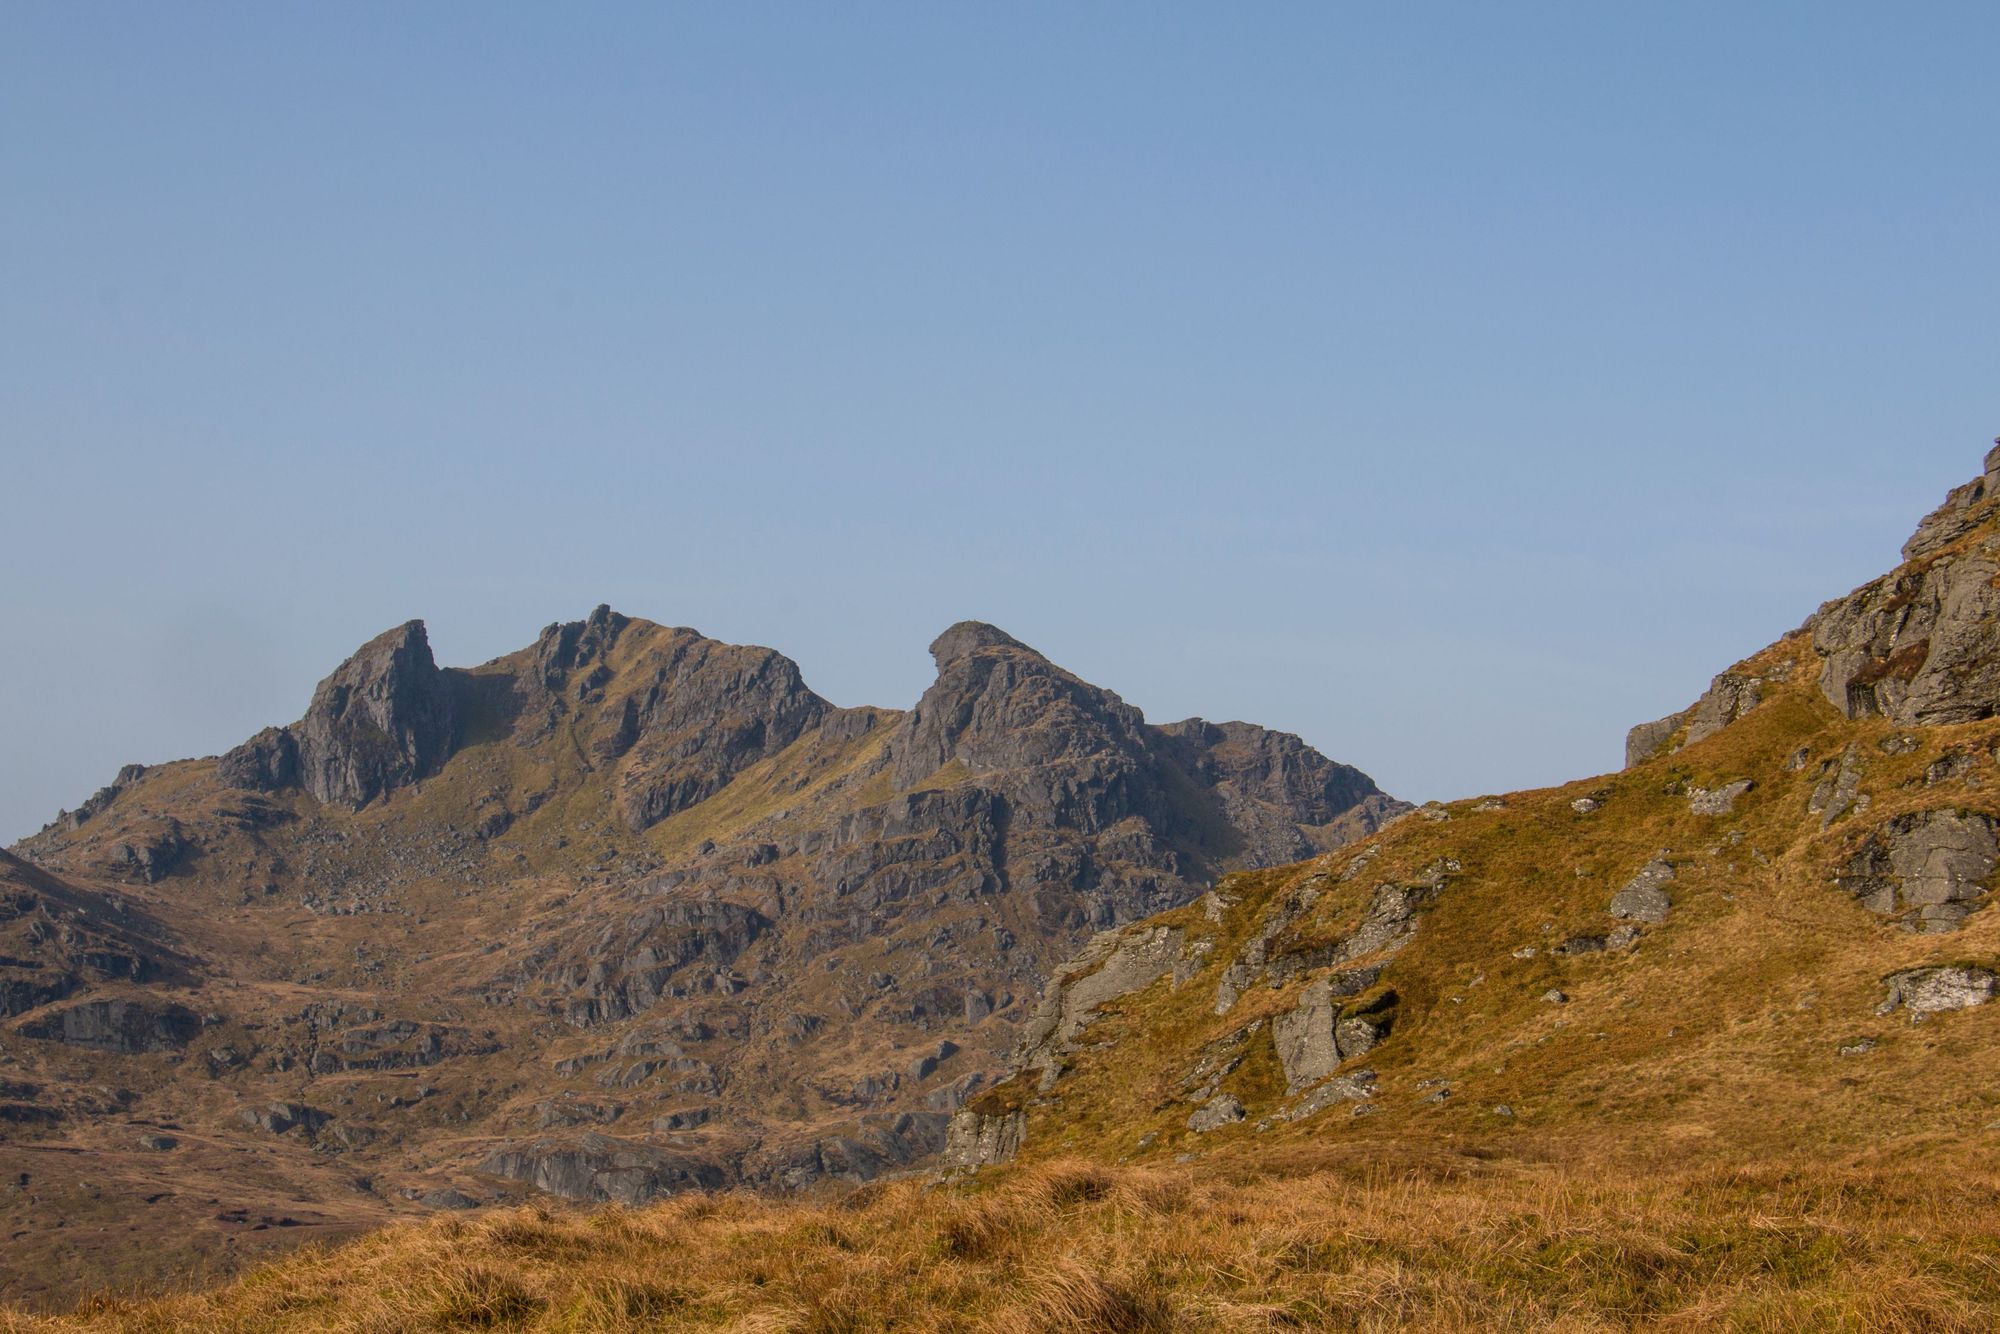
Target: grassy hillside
[[1428, 1239]]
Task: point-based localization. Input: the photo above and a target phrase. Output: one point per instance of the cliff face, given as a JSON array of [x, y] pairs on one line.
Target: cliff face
[[1770, 938], [627, 912]]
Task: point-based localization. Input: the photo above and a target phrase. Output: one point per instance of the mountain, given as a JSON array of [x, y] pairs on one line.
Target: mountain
[[1705, 1043], [625, 912]]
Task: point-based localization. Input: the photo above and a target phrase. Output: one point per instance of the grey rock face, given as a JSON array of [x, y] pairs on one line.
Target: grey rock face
[[383, 720], [1927, 991], [1648, 739], [399, 1044], [1621, 938], [1356, 1087], [129, 1027], [1728, 697], [975, 1140], [1218, 1060], [1318, 1035], [1389, 924], [1114, 964], [447, 1198], [280, 1118], [154, 856], [1838, 789], [267, 762], [1962, 511], [671, 948], [598, 1169], [1921, 645], [878, 1144], [1221, 1110], [100, 801], [1250, 962], [998, 704], [57, 939], [1280, 794], [1718, 801], [1928, 869], [1644, 897]]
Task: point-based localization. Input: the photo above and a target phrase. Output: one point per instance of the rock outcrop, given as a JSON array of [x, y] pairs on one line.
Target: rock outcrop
[[1114, 964], [979, 1139], [1728, 697], [1928, 871], [384, 719], [57, 939], [1920, 646], [1932, 990], [1644, 897], [598, 1169], [128, 1027], [1320, 1033], [1962, 511]]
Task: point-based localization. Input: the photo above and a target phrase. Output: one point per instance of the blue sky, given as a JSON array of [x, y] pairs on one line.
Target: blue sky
[[1454, 385]]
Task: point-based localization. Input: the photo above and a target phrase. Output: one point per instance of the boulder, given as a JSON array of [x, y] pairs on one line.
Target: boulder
[[1838, 789], [1644, 897], [1221, 1110], [1718, 801], [1354, 1087], [1927, 991]]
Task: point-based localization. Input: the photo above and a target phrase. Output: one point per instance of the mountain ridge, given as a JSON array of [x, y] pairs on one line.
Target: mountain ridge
[[624, 911]]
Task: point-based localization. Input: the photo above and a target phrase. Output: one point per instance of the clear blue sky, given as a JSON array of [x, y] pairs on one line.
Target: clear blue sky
[[1452, 384]]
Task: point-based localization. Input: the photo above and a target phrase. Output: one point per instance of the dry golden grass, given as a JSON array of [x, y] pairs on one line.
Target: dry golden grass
[[1084, 1247]]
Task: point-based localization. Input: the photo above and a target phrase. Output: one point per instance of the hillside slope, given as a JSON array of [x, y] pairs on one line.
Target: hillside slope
[[626, 912], [1769, 937]]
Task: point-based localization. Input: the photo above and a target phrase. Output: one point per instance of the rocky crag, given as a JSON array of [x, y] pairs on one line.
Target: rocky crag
[[1769, 938], [624, 913]]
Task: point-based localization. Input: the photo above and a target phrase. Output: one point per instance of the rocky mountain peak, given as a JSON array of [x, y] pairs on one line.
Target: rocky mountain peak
[[998, 704], [968, 637], [566, 645], [1961, 512], [726, 933], [383, 720]]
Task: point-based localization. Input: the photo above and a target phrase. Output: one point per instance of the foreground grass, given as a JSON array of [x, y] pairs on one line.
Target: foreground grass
[[1074, 1246]]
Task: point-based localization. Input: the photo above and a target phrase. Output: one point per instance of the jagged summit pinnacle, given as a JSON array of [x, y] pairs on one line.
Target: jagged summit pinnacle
[[1960, 513], [967, 638]]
